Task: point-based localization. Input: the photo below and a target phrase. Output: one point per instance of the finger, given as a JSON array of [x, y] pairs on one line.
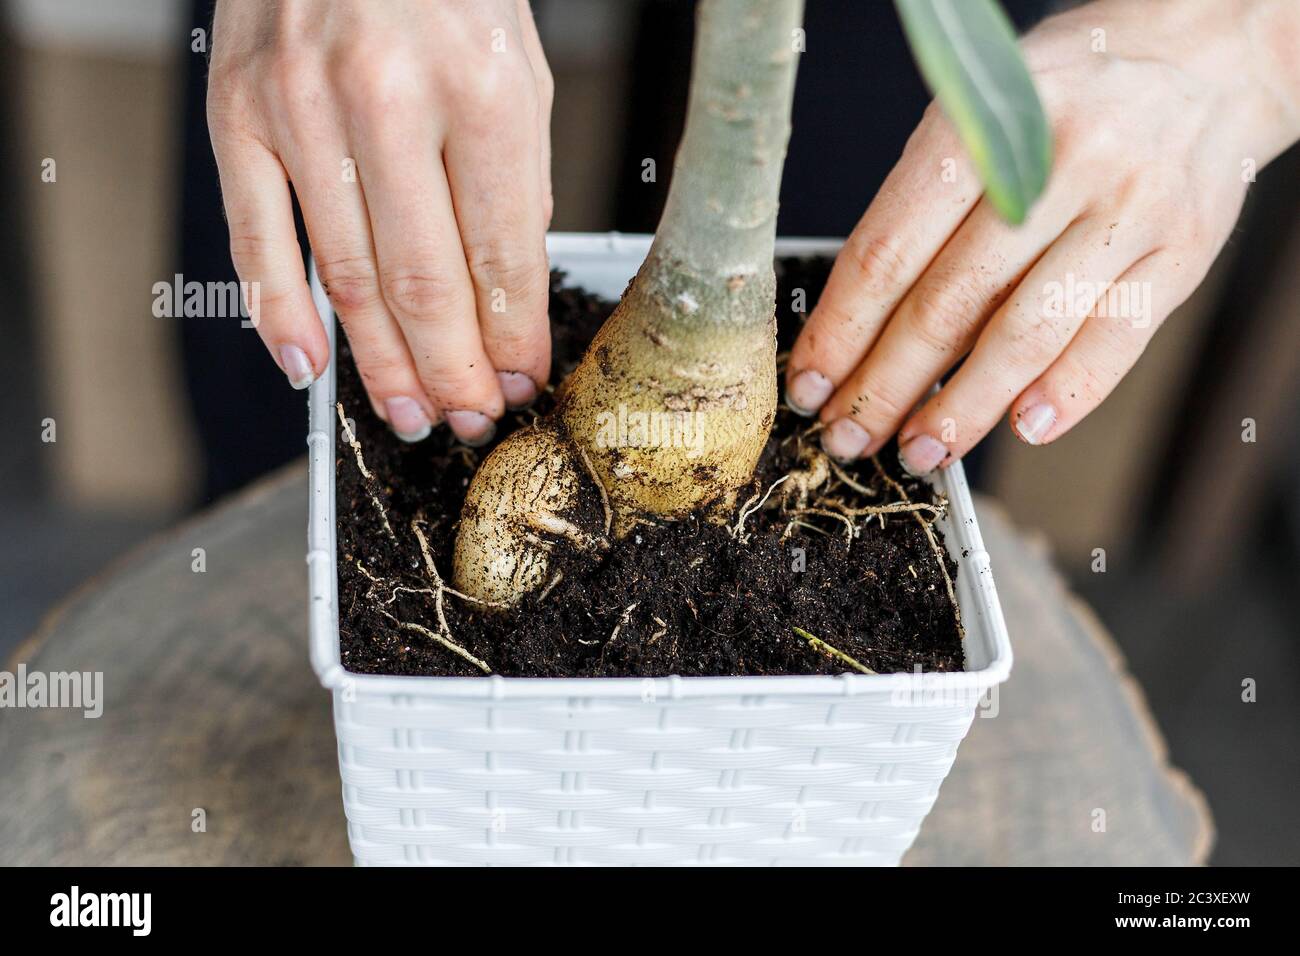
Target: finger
[[545, 97], [491, 162], [1028, 333], [923, 201], [1105, 349], [265, 251], [936, 324], [421, 263], [338, 226]]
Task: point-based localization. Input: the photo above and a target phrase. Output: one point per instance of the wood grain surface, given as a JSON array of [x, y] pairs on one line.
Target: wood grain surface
[[210, 704]]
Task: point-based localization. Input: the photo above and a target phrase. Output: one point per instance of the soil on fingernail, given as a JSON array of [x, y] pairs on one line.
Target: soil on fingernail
[[674, 598]]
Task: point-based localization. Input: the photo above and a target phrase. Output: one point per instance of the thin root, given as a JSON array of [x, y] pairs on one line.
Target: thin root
[[439, 583], [372, 485], [600, 486], [803, 524], [622, 621], [441, 639], [804, 481], [746, 510], [894, 507], [843, 476], [849, 530], [939, 554], [559, 576], [362, 568]]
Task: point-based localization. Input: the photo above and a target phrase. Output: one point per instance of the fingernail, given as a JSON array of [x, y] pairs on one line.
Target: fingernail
[[808, 392], [407, 419], [1035, 422], [922, 455], [472, 428], [844, 439], [296, 366], [518, 388]]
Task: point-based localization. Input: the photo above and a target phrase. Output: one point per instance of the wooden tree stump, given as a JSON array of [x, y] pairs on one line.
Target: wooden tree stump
[[212, 715]]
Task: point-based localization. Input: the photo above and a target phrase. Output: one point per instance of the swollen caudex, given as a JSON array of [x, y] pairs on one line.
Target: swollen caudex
[[715, 381], [526, 500], [694, 337]]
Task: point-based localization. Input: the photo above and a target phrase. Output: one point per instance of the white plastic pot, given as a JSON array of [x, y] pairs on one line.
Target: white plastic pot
[[754, 770]]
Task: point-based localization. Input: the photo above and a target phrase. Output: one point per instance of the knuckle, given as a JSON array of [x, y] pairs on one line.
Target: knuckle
[[1117, 339], [878, 265], [1034, 343], [351, 282], [877, 401], [947, 313], [418, 294], [377, 80], [226, 82], [1083, 379], [455, 385], [496, 84], [383, 374], [295, 82], [523, 338], [248, 246], [502, 265], [832, 336], [227, 105]]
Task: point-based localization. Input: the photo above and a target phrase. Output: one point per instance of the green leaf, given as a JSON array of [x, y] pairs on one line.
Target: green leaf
[[968, 54]]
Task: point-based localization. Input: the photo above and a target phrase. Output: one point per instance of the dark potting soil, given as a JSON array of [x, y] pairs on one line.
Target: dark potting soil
[[701, 602]]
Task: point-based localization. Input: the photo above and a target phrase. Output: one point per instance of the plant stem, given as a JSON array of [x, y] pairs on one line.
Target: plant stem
[[718, 229]]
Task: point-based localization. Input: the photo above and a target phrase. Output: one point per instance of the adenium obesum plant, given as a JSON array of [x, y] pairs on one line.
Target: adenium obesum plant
[[694, 333]]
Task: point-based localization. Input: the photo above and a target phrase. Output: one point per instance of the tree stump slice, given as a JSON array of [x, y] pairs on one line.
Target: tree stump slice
[[216, 743]]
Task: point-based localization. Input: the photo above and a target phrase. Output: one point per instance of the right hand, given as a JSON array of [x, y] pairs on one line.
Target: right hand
[[416, 137]]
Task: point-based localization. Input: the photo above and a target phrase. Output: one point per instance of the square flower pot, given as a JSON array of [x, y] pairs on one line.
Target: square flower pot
[[698, 770]]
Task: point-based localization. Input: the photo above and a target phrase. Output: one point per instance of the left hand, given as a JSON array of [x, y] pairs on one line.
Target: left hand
[[1153, 138]]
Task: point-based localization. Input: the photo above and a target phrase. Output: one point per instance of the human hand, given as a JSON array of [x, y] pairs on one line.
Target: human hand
[[416, 138], [1154, 136]]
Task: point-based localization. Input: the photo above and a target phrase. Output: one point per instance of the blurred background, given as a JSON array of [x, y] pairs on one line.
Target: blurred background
[[153, 418]]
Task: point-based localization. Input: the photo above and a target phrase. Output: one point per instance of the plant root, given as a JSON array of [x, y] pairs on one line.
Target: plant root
[[804, 481], [551, 586], [439, 638], [439, 590], [818, 644], [820, 472], [439, 584], [622, 622], [844, 476], [893, 508], [850, 532], [750, 507], [939, 554], [796, 523], [600, 486], [561, 528], [371, 482]]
